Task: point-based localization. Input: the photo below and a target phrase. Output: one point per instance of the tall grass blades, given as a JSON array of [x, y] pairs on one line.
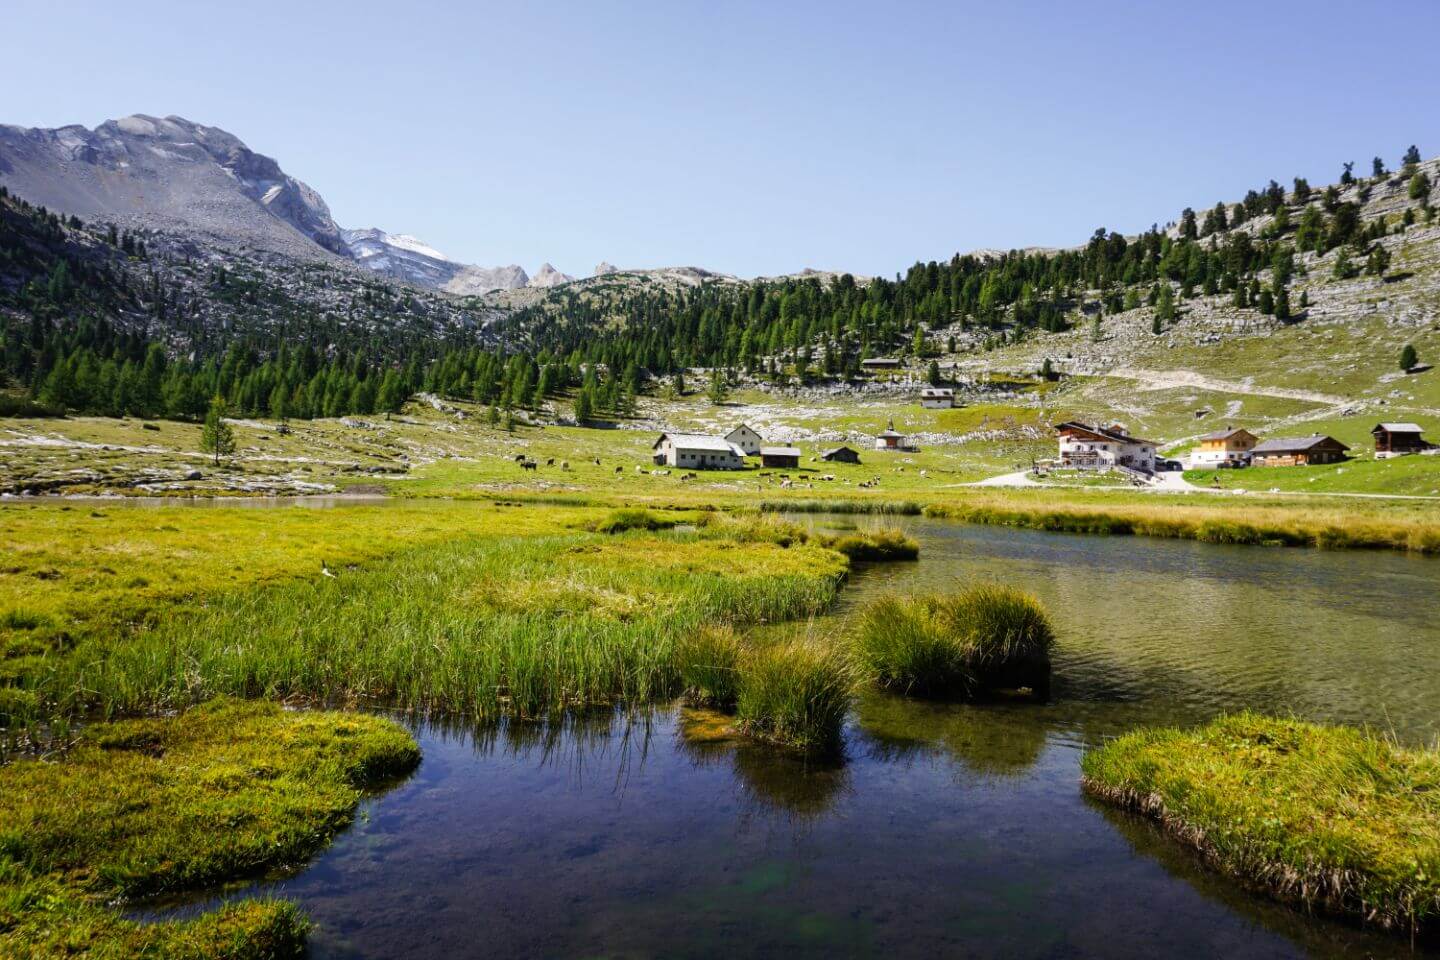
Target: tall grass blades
[[709, 664], [796, 692], [502, 626], [986, 637]]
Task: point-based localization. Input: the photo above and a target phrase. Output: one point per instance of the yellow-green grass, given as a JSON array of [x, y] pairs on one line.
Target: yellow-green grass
[[964, 644], [1402, 476], [75, 572], [1379, 524], [796, 692], [1327, 817], [484, 625], [222, 792]]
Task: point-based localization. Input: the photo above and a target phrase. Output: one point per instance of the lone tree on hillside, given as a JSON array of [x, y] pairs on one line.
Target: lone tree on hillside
[[1409, 358], [217, 438], [719, 389], [932, 373], [1420, 186]]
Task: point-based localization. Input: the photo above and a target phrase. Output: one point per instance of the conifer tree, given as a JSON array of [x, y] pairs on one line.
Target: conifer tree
[[216, 437]]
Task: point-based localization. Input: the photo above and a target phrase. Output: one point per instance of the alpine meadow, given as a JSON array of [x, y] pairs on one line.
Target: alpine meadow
[[1075, 592]]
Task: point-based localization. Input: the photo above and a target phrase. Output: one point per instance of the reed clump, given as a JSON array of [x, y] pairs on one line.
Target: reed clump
[[709, 664], [796, 692], [142, 807], [619, 521], [886, 545], [985, 637], [1330, 818]]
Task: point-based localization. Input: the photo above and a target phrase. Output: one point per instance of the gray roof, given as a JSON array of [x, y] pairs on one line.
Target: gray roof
[[779, 451], [1105, 432], [1295, 444], [827, 454], [690, 441], [1400, 427]]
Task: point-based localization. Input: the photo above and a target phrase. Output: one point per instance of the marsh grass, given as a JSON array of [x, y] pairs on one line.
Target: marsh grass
[[1331, 818], [619, 521], [1291, 526], [483, 626], [985, 637], [709, 663], [223, 791], [899, 508], [796, 692], [885, 545]]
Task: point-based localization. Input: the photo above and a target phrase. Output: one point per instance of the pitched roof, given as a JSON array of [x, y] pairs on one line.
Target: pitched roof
[[1105, 432], [1225, 434], [890, 433], [690, 441], [1398, 427], [742, 426], [779, 451], [1296, 444], [827, 454]]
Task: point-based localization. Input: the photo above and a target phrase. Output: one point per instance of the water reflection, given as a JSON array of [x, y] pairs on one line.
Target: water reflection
[[947, 829]]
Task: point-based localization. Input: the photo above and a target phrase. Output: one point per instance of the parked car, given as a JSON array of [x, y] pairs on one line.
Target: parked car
[[1167, 466]]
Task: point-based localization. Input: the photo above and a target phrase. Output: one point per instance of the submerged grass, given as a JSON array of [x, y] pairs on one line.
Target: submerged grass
[[1328, 817], [223, 791], [983, 638]]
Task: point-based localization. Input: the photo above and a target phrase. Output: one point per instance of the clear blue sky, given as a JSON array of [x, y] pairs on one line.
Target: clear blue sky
[[751, 137]]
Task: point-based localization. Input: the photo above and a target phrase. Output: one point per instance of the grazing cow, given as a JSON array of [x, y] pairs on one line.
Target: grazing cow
[[597, 461], [619, 469], [519, 458], [639, 469], [564, 464], [550, 462], [528, 465]]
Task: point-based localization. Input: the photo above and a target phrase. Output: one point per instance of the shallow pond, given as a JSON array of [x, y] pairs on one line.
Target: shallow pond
[[947, 830]]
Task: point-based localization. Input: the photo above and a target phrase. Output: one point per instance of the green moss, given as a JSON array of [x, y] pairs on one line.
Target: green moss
[[1328, 817], [983, 638], [224, 791]]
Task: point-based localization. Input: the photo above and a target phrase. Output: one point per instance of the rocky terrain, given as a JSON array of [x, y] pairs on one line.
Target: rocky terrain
[[176, 176]]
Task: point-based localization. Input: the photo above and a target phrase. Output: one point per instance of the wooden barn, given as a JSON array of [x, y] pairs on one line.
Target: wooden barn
[[779, 457], [1399, 440], [841, 455], [1298, 451]]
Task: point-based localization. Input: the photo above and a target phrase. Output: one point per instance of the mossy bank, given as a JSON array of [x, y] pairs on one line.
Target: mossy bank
[[1330, 818], [225, 791]]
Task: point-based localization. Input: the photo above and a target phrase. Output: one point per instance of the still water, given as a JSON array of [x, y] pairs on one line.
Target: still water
[[946, 830]]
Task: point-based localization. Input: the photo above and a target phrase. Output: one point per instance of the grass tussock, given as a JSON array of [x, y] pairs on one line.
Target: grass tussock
[[796, 692], [223, 791], [1331, 818], [709, 663], [986, 637], [619, 521], [875, 546]]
